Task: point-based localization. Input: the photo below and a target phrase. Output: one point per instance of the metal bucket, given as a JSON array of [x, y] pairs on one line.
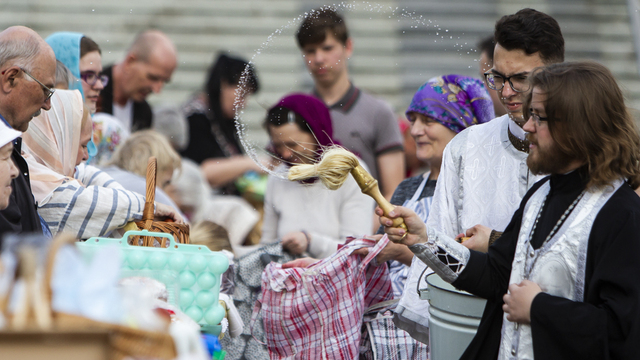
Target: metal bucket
[[454, 318]]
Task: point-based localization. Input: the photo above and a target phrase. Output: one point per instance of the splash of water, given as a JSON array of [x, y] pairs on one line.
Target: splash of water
[[252, 149]]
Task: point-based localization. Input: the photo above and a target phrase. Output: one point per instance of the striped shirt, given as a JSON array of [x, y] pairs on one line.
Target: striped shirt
[[95, 209]]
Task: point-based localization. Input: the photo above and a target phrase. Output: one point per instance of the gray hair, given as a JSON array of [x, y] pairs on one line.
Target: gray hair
[[64, 75], [170, 121], [20, 52]]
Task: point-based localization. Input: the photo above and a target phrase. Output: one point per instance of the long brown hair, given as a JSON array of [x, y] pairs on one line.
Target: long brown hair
[[589, 120]]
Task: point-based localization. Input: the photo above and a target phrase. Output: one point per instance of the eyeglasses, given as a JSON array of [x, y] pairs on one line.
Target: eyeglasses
[[48, 92], [518, 82], [537, 118], [91, 78]]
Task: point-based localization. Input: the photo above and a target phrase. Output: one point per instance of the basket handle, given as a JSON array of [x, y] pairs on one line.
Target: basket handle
[[124, 241], [152, 169]]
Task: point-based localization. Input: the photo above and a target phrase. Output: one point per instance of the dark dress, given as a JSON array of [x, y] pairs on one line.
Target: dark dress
[[21, 215], [210, 139]]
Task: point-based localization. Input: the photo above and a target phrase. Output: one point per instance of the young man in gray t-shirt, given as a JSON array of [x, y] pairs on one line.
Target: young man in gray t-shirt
[[361, 123]]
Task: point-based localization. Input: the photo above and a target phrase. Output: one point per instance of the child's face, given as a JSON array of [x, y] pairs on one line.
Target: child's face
[[327, 60]]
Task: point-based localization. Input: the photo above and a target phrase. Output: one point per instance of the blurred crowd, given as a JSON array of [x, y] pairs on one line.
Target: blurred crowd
[[75, 138]]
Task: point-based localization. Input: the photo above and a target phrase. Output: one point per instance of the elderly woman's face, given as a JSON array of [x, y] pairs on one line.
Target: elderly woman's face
[[292, 144], [85, 137], [431, 137], [8, 171]]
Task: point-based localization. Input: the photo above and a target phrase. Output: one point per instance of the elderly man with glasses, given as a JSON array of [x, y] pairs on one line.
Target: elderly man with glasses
[[27, 77]]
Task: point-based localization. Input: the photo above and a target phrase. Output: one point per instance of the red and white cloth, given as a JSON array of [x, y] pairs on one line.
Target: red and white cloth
[[317, 312]]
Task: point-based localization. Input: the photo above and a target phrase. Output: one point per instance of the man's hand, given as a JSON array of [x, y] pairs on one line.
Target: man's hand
[[478, 238], [167, 212], [417, 229], [517, 302], [295, 242]]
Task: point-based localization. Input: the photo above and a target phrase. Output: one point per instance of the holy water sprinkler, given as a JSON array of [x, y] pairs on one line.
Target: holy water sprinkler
[[333, 169]]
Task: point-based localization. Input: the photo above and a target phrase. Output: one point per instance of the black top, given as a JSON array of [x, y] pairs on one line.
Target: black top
[[606, 325], [142, 114], [210, 138], [21, 215]]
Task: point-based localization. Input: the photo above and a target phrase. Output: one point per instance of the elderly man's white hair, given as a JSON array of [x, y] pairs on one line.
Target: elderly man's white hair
[[19, 46]]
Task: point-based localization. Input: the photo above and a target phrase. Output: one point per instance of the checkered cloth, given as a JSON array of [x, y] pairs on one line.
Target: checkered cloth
[[316, 312], [383, 340]]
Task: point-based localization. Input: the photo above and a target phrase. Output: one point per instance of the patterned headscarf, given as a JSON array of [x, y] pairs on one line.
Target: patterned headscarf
[[455, 101]]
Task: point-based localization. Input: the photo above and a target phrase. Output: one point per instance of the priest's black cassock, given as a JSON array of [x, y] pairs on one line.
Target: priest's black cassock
[[607, 324]]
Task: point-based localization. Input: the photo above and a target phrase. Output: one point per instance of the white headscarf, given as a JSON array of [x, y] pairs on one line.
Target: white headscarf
[[52, 141], [7, 134]]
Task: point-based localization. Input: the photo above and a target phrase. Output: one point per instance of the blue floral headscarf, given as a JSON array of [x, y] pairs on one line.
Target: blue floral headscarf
[[455, 101]]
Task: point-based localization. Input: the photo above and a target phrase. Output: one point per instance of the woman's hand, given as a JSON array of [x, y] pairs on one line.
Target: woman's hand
[[391, 251], [302, 262], [417, 230], [478, 238], [295, 242], [167, 212]]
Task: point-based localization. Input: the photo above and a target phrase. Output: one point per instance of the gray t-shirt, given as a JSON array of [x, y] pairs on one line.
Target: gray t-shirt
[[365, 125]]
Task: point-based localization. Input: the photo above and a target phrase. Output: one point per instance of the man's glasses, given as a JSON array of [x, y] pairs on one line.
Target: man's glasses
[[518, 82], [91, 78], [537, 118], [48, 92]]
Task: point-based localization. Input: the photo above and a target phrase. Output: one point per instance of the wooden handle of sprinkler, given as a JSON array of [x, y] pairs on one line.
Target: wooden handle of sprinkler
[[369, 186]]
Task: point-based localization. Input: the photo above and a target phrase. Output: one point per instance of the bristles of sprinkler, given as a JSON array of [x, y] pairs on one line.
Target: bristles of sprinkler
[[333, 168]]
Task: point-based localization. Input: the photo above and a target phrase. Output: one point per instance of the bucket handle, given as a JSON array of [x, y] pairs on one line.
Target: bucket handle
[[422, 293]]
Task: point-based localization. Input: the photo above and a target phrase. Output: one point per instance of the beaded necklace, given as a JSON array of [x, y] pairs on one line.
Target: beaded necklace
[[557, 226]]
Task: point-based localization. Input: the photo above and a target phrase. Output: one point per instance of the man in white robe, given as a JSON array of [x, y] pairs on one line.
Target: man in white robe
[[484, 174]]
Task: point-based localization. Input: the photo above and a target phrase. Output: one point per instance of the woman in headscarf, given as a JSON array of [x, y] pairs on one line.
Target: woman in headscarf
[[72, 196], [213, 142], [83, 58], [8, 170], [440, 109], [308, 217]]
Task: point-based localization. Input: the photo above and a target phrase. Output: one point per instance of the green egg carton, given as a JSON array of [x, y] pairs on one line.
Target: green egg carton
[[190, 272]]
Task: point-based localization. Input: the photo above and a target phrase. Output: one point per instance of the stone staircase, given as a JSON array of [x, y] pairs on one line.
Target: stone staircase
[[398, 44], [444, 40]]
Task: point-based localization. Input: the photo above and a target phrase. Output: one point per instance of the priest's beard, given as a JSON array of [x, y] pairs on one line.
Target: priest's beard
[[549, 160]]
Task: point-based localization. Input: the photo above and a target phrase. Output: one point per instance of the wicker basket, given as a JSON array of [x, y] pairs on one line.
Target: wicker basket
[[179, 231]]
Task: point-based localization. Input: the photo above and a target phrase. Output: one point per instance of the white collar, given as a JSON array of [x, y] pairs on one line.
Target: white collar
[[516, 130]]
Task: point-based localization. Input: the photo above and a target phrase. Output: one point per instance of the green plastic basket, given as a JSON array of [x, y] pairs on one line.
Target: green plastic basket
[[190, 272]]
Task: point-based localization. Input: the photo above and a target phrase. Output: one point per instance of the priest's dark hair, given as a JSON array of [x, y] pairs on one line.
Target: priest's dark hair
[[533, 32], [589, 121]]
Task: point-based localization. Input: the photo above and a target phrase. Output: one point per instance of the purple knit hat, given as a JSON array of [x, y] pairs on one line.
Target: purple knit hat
[[314, 112], [455, 101]]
